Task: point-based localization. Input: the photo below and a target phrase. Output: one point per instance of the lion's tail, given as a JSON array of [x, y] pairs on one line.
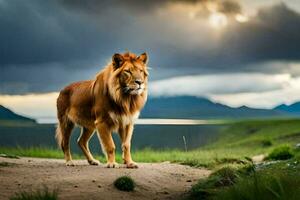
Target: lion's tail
[[59, 135]]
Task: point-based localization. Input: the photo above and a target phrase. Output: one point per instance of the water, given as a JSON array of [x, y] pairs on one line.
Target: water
[[151, 121], [148, 133]]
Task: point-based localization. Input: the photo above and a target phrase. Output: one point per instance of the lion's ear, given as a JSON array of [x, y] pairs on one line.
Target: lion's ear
[[143, 57], [117, 60]]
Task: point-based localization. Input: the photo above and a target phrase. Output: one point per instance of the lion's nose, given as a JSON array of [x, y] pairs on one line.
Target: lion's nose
[[138, 81]]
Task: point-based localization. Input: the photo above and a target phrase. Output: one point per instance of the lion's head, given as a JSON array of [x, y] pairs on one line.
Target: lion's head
[[129, 75]]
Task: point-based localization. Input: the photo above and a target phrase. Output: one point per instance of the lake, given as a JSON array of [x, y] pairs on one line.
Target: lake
[[148, 133]]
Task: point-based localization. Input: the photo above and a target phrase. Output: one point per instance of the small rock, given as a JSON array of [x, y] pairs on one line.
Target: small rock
[[93, 181], [189, 180], [258, 158], [99, 186], [165, 192], [75, 186]]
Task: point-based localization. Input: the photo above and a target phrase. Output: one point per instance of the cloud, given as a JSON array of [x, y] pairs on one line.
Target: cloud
[[267, 99], [271, 35], [42, 78], [32, 105], [230, 7], [51, 43], [250, 89], [234, 90], [221, 84], [140, 7]]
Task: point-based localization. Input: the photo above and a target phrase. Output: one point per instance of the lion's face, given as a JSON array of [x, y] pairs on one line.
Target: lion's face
[[131, 72]]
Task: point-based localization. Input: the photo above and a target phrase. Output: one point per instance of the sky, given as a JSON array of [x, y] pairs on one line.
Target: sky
[[236, 52]]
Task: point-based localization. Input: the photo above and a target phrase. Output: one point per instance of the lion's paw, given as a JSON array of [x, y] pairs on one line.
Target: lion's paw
[[94, 162], [132, 165], [112, 165], [70, 163]]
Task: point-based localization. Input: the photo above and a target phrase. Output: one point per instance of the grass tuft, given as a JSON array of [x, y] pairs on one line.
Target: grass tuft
[[223, 177], [263, 186], [124, 183], [9, 156], [43, 194], [266, 142], [283, 152], [276, 180], [6, 164]]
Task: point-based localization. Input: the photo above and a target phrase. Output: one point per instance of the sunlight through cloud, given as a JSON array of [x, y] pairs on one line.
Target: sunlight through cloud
[[218, 20]]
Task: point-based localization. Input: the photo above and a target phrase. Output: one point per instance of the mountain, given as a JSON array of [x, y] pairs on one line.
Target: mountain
[[293, 108], [194, 107], [6, 114]]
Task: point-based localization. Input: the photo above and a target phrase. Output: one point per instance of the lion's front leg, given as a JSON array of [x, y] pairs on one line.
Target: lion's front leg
[[108, 145], [126, 135]]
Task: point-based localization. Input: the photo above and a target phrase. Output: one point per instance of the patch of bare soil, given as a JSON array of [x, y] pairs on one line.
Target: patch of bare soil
[[153, 180]]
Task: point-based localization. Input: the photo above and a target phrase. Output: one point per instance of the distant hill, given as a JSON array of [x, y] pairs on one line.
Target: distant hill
[[293, 108], [6, 114], [194, 107]]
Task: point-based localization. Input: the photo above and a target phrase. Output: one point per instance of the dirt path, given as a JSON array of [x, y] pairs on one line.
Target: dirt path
[[154, 181]]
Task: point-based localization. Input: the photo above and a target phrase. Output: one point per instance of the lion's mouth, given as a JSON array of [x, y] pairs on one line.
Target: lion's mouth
[[134, 91]]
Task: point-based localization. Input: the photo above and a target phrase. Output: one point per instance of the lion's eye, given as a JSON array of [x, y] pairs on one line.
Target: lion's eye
[[127, 71]]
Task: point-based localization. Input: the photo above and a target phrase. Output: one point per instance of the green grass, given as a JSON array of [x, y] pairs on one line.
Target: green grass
[[43, 194], [197, 158], [41, 152], [279, 180], [6, 164], [222, 177], [270, 180], [237, 140], [283, 152]]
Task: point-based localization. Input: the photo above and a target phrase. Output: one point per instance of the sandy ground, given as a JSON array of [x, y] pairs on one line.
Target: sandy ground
[[154, 181]]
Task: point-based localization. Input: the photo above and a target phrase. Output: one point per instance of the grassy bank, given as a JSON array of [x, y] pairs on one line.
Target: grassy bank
[[244, 138], [268, 180], [197, 158]]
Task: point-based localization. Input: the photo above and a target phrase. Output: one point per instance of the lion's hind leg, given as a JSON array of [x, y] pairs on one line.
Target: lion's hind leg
[[63, 133]]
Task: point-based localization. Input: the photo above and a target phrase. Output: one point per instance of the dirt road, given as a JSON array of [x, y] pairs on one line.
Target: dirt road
[[154, 181]]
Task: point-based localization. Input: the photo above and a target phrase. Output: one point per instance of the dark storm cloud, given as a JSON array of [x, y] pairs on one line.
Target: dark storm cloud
[[230, 7], [41, 31], [46, 44], [56, 31], [142, 7], [272, 35]]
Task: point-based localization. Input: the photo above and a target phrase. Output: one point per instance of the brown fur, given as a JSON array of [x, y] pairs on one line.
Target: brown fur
[[109, 103]]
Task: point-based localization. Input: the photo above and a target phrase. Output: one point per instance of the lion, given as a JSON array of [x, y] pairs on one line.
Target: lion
[[111, 102]]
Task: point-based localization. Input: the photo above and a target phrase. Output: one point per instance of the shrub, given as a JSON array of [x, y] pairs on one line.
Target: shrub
[[124, 183], [223, 177], [226, 176], [266, 143], [263, 186], [283, 152]]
